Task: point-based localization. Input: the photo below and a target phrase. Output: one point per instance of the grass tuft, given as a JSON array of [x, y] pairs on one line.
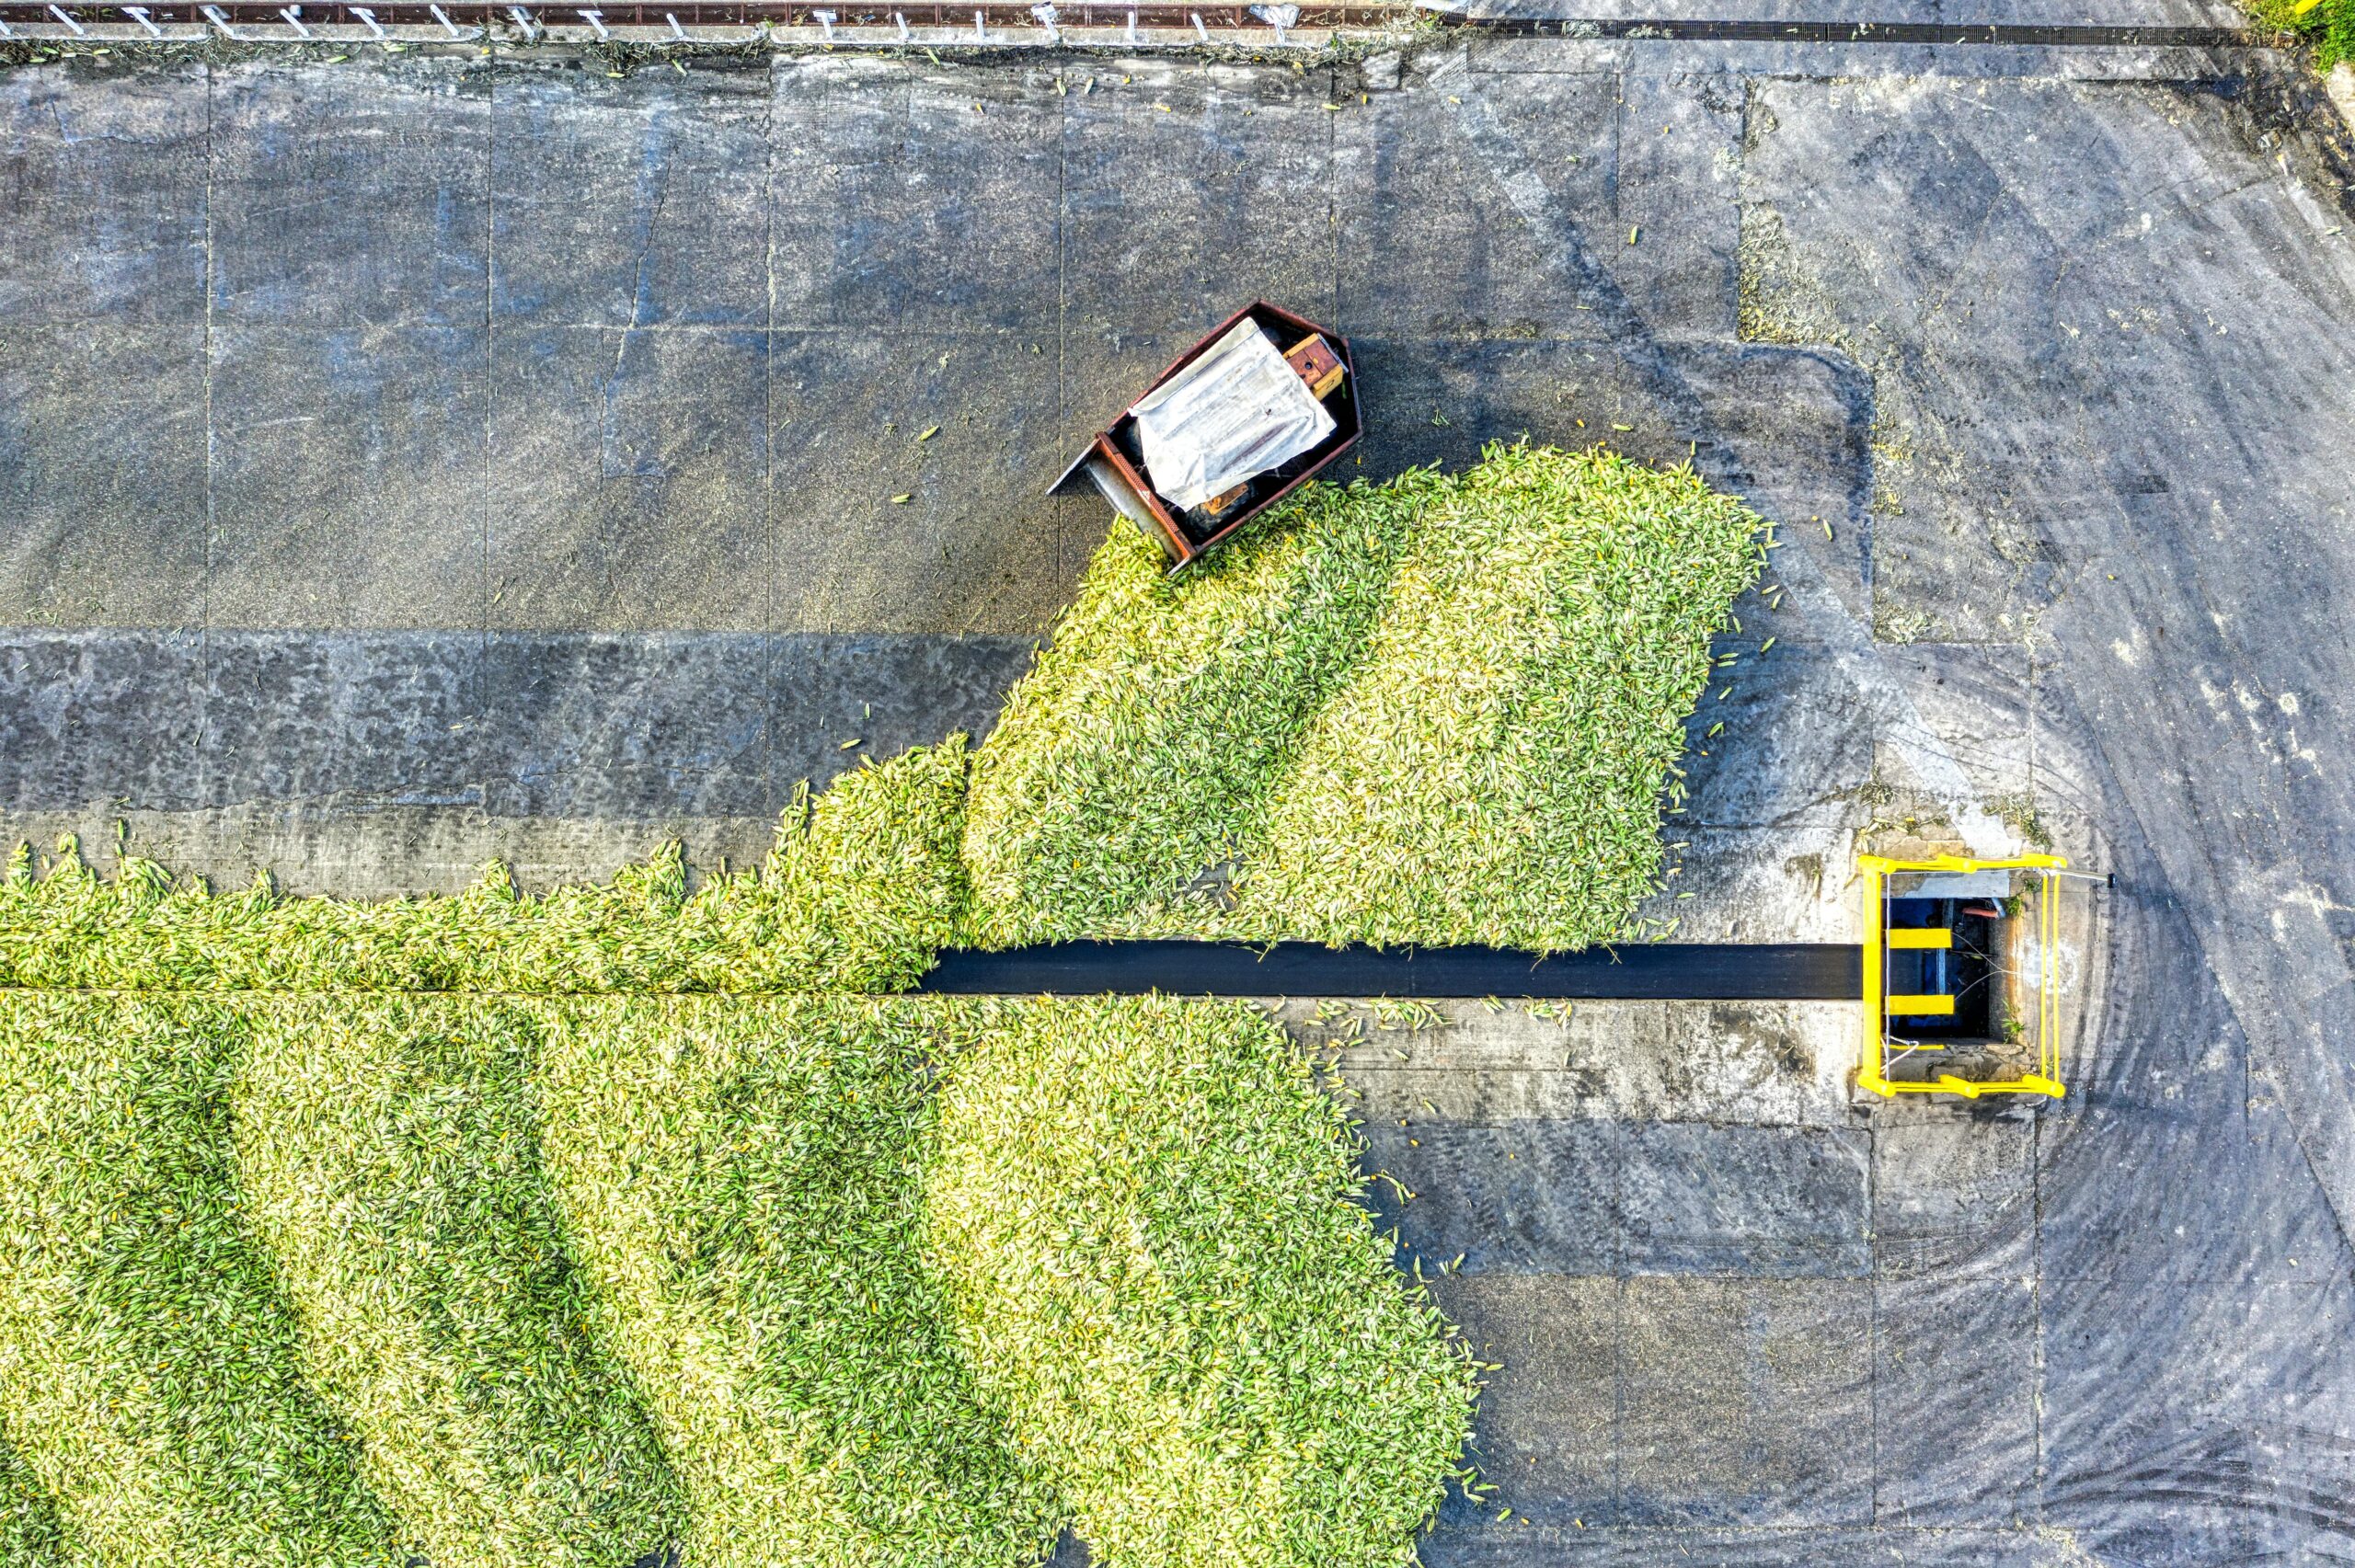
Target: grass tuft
[[2328, 25], [1139, 1211], [29, 1536]]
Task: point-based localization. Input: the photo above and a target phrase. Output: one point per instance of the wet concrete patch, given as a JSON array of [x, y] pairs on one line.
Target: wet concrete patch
[[365, 719], [884, 693], [456, 733], [100, 721], [1676, 168], [603, 725]]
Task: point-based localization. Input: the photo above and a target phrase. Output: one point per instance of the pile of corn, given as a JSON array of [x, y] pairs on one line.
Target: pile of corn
[[1443, 710], [28, 1531], [1141, 1212], [744, 1181], [151, 1373], [386, 1157], [315, 1279], [863, 887], [454, 1229]]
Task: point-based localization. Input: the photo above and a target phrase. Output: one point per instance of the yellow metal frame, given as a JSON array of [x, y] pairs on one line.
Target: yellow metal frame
[[1878, 1004]]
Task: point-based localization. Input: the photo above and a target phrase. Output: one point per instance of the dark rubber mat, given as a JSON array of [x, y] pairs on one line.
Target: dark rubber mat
[[1785, 971]]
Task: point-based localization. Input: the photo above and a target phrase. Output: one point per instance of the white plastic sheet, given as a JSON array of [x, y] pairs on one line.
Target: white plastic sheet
[[1237, 411]]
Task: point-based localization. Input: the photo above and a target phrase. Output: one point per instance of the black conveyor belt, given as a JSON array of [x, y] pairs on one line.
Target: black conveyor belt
[[1785, 971]]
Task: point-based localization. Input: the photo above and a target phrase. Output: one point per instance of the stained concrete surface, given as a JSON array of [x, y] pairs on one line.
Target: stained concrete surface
[[410, 462]]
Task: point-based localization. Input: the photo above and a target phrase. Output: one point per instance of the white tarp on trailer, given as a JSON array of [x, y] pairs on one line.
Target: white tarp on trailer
[[1237, 411]]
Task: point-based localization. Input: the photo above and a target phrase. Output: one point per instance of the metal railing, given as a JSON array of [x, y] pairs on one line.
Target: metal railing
[[998, 22]]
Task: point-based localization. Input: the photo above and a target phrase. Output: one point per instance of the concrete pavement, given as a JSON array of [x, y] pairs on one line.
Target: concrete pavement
[[403, 462]]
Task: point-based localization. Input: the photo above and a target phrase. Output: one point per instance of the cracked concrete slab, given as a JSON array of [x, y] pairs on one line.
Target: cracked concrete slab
[[1144, 146], [338, 199], [346, 477], [644, 204], [602, 442], [913, 200]]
